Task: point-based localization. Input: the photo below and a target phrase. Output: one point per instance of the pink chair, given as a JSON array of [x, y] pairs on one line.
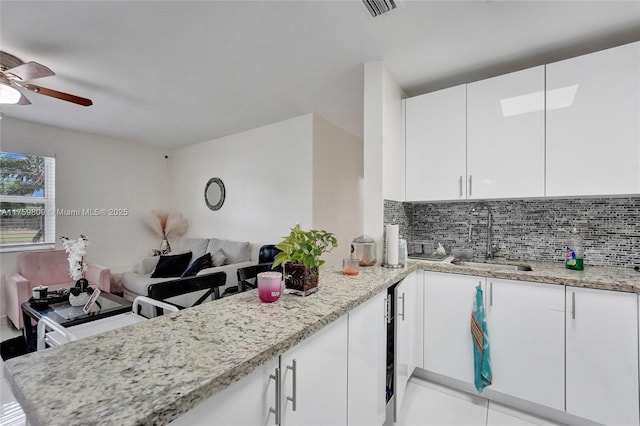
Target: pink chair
[[49, 268]]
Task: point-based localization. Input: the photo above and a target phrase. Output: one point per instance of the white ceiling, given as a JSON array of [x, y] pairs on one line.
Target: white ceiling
[[174, 73]]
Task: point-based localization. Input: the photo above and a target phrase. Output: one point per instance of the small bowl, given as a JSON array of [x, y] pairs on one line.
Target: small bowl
[[464, 253]]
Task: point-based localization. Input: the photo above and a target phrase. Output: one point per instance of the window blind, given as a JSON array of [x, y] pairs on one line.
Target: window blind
[[27, 200]]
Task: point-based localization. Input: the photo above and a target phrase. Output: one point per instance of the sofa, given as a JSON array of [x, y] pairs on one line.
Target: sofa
[[226, 256], [50, 268]]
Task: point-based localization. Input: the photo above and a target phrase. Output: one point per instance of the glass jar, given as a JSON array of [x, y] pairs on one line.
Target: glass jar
[[364, 249]]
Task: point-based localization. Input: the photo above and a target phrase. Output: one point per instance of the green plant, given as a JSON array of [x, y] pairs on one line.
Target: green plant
[[305, 247]]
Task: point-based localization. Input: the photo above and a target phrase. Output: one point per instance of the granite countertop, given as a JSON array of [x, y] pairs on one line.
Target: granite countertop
[[597, 277], [151, 372]]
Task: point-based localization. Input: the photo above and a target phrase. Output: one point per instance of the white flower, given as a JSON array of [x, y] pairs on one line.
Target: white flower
[[76, 250]]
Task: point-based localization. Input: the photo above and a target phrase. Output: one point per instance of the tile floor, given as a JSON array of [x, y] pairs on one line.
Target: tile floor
[[425, 404], [10, 412]]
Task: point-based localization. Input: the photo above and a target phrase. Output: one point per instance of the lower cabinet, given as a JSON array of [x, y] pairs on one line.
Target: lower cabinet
[[602, 356], [249, 401], [525, 323], [572, 349], [334, 377], [314, 378], [448, 301], [406, 345], [367, 360]]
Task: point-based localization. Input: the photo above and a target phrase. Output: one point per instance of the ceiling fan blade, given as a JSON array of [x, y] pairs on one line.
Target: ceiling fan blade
[[23, 100], [58, 95], [30, 71]]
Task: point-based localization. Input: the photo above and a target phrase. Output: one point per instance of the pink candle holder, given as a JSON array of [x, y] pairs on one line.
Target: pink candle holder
[[269, 286]]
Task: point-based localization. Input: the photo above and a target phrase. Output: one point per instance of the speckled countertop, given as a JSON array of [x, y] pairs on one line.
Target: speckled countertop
[[598, 277], [151, 372]]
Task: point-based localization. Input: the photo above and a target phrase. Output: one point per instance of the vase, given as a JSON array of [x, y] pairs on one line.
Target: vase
[[165, 248], [79, 300], [300, 280]]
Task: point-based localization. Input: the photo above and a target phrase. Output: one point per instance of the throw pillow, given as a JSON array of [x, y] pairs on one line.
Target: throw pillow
[[146, 265], [197, 246], [171, 265], [218, 259], [236, 251], [197, 265]]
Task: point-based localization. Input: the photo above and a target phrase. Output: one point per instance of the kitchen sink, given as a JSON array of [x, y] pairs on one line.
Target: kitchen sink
[[493, 266]]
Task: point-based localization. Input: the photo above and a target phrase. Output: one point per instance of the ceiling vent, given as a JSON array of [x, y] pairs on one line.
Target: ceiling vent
[[378, 7]]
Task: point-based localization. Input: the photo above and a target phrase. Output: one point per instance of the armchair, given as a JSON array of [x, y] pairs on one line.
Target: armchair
[[49, 268]]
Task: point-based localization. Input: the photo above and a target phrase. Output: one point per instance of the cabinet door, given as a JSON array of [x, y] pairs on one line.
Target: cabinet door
[[525, 322], [602, 356], [246, 402], [367, 363], [419, 319], [593, 136], [435, 135], [406, 344], [448, 303], [505, 135], [314, 378]]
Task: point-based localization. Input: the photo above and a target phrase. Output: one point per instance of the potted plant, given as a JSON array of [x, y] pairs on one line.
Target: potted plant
[[300, 255]]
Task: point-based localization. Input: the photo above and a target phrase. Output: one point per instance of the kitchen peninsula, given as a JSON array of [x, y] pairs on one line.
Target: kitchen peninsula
[[152, 372]]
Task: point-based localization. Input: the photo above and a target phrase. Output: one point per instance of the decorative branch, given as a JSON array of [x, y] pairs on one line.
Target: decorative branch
[[156, 220], [176, 225]]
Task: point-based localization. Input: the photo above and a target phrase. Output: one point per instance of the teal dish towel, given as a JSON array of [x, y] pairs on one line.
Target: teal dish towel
[[481, 355]]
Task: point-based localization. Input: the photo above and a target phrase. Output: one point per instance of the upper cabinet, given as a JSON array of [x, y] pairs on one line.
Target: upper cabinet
[[505, 136], [593, 123], [571, 128], [436, 132]]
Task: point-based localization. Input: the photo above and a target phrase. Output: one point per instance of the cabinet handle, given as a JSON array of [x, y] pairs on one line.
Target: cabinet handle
[[491, 293], [402, 298], [573, 305], [460, 182], [470, 185], [387, 315], [294, 382], [276, 410]]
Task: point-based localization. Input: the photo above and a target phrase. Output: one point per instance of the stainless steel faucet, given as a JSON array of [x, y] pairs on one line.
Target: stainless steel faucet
[[489, 251]]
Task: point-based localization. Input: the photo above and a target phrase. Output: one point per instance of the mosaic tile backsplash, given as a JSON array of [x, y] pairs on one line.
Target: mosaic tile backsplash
[[532, 229]]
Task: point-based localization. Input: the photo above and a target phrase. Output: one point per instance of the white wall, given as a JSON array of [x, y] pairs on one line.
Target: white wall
[[94, 172], [383, 148], [337, 186], [303, 170], [393, 145], [267, 173], [373, 116]]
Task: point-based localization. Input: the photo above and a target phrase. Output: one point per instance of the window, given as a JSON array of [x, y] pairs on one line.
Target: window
[[27, 201]]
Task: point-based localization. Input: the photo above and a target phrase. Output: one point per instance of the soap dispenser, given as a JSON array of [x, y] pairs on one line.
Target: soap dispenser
[[574, 252]]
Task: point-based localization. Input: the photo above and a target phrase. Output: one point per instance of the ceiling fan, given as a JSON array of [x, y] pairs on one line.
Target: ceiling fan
[[15, 74]]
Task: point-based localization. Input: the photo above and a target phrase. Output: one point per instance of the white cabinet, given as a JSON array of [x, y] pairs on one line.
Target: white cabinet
[[367, 363], [525, 322], [593, 130], [314, 378], [249, 401], [419, 319], [406, 345], [505, 135], [602, 356], [448, 302], [435, 136]]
